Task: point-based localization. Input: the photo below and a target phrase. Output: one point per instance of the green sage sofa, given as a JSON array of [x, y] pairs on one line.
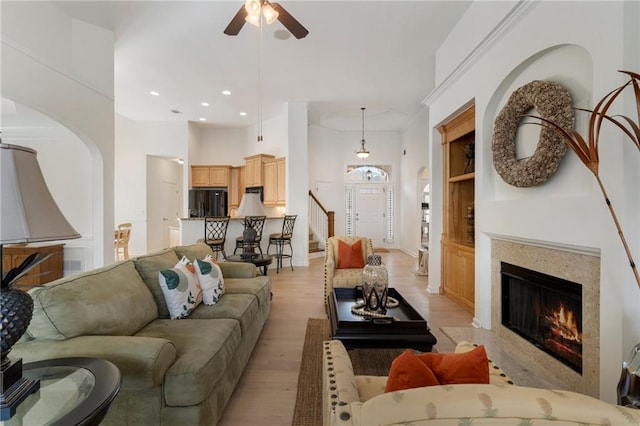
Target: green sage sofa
[[174, 372]]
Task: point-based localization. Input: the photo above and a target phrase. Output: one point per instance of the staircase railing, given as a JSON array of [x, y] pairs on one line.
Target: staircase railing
[[321, 221]]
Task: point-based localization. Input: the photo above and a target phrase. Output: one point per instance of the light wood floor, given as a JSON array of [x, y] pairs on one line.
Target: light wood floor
[[266, 392]]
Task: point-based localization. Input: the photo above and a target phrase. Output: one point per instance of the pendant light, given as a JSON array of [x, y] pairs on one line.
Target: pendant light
[[362, 153]]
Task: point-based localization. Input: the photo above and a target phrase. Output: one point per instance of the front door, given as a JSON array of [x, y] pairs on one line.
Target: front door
[[370, 213]]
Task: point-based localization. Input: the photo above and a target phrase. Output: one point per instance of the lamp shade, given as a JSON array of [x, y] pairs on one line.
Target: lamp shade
[[28, 212], [250, 205]]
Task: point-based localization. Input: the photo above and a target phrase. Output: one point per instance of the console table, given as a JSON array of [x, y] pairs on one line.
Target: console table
[[49, 270]]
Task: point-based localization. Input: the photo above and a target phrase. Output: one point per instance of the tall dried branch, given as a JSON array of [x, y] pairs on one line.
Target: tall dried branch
[[587, 150]]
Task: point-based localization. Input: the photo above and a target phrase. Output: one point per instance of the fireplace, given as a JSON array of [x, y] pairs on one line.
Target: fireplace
[[545, 310]]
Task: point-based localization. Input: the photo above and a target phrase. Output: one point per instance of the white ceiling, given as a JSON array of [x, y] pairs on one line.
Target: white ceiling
[[374, 54]]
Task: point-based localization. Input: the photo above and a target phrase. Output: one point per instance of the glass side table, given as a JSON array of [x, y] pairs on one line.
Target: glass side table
[[73, 391]]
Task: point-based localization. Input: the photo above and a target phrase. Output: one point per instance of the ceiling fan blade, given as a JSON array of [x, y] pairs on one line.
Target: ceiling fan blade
[[237, 22], [290, 22]]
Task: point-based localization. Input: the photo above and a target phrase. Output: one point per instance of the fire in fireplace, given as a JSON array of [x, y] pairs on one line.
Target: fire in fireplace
[[545, 310]]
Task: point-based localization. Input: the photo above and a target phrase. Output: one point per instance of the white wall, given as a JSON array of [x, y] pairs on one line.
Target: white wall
[[584, 52], [331, 151], [134, 142], [413, 159], [47, 65]]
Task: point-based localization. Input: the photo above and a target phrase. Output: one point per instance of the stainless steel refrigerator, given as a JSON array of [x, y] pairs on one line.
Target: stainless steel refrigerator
[[207, 202]]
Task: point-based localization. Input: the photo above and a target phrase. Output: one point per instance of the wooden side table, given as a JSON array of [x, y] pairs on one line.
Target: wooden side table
[[49, 270]]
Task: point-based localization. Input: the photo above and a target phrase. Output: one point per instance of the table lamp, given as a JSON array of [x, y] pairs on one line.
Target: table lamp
[[250, 205], [28, 213]]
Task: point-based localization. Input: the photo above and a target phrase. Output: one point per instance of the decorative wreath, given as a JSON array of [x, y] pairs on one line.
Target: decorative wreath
[[553, 102]]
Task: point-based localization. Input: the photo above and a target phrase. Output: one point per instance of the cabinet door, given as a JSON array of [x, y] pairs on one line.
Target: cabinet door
[[270, 183], [234, 192], [200, 176], [250, 172], [281, 197], [241, 183], [458, 275], [218, 176]]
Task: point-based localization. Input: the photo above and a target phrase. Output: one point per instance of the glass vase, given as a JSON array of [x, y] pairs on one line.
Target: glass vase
[[629, 384], [375, 284]]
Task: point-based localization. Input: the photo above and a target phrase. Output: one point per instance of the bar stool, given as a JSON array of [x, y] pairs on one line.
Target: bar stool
[[283, 239], [215, 233], [257, 223]]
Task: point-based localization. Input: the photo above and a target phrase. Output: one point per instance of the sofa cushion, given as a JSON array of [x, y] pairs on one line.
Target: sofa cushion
[[108, 301], [210, 278], [241, 307], [181, 288], [194, 251], [204, 349], [347, 277], [258, 286], [148, 267], [142, 361]]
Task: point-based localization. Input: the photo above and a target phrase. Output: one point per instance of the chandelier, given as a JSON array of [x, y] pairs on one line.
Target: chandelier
[[362, 153]]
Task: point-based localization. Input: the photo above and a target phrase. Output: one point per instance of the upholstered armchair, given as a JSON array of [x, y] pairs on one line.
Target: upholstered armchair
[[345, 272]]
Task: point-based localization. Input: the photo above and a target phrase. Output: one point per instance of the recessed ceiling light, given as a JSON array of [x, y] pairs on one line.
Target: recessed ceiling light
[[154, 93], [226, 92], [204, 103], [243, 113], [203, 119]]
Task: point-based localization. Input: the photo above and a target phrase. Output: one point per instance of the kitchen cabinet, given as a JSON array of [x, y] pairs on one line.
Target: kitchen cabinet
[[458, 236], [236, 186], [49, 270], [254, 169], [218, 176], [274, 182]]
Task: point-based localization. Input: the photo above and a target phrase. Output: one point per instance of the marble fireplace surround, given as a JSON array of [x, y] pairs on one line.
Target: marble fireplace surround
[[574, 265]]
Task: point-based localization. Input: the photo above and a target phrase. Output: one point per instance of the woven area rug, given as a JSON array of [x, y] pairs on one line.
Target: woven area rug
[[308, 409]]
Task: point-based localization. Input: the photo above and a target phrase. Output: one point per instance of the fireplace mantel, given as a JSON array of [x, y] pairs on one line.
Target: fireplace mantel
[[552, 245]]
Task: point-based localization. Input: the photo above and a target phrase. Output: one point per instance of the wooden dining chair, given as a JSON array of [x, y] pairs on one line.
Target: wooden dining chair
[[121, 240]]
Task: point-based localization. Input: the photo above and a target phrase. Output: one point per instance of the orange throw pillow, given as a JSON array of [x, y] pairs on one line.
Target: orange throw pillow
[[350, 256], [465, 367], [408, 372]]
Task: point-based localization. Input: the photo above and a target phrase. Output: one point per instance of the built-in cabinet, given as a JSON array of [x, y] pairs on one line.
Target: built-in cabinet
[[458, 237], [210, 176], [254, 169], [274, 182], [48, 270]]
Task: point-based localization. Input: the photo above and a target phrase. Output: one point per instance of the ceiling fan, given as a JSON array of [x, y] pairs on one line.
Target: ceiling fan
[[253, 10]]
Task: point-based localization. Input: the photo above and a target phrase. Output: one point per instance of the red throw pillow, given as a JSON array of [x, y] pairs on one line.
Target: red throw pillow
[[408, 372], [350, 256], [465, 367]]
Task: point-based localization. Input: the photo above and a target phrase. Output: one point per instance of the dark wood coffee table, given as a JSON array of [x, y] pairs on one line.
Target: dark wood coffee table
[[408, 330], [260, 260]]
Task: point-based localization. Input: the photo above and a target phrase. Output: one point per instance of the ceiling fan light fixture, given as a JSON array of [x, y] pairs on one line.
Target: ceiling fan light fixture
[[253, 7], [269, 13], [362, 153], [253, 19]]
